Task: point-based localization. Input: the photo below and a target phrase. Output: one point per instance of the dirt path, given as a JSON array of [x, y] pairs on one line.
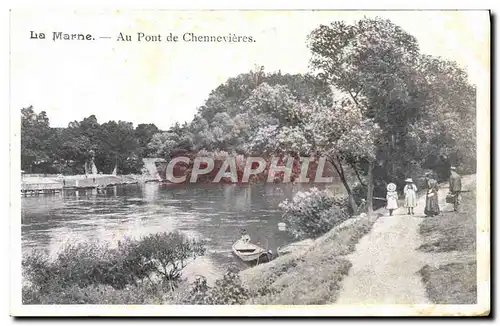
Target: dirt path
[[385, 263]]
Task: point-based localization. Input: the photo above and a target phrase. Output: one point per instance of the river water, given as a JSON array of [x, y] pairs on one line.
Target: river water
[[213, 213]]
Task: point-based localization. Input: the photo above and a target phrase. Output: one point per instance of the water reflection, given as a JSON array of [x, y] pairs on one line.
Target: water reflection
[[214, 213], [149, 191]]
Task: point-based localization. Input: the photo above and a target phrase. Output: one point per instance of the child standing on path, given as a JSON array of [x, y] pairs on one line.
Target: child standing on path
[[392, 198], [410, 191]]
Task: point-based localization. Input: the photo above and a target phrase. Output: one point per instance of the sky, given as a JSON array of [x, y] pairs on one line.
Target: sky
[[164, 82]]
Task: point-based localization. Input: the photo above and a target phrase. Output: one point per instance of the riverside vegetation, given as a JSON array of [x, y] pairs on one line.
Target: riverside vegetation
[[149, 270]]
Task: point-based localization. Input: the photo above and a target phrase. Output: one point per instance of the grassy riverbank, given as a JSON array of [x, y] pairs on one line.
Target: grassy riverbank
[[282, 281], [450, 240], [312, 276]]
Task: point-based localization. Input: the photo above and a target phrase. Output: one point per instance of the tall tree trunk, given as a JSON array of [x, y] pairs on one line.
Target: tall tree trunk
[[340, 172], [357, 174], [369, 195]]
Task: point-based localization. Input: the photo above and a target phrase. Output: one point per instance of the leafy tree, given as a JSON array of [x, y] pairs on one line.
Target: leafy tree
[[372, 62], [423, 105], [169, 253], [338, 131], [67, 150], [344, 135], [144, 133], [446, 130], [118, 145], [164, 144], [35, 138], [228, 120]]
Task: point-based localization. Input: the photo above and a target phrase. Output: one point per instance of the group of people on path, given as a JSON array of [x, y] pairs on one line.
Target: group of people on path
[[431, 201]]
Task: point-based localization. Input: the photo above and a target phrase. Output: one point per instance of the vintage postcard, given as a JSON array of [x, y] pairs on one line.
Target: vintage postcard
[[250, 163]]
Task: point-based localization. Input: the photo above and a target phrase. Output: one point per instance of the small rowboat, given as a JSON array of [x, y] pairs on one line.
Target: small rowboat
[[294, 247], [249, 252]]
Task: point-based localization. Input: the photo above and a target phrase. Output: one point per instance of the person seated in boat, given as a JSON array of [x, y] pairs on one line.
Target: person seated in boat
[[245, 237]]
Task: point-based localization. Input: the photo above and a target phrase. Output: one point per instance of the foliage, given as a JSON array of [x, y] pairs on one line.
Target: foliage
[[118, 143], [168, 253], [67, 150], [156, 259], [370, 60], [235, 111], [35, 138], [163, 144], [143, 133], [226, 291], [313, 213], [446, 131], [424, 106], [338, 131]]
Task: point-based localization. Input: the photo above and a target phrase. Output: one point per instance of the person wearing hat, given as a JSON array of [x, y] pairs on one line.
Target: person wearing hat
[[455, 187], [410, 191], [392, 198], [245, 237], [431, 200]]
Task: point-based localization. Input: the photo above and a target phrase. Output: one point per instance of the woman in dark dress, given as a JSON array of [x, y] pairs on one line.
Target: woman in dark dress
[[432, 200]]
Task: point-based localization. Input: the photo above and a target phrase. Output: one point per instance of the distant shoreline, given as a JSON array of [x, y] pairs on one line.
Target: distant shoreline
[[38, 184]]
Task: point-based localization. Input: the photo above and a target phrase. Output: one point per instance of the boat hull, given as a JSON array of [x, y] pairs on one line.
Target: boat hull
[[251, 253]]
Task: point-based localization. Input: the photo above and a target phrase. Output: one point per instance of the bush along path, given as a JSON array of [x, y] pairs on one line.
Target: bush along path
[[386, 262]]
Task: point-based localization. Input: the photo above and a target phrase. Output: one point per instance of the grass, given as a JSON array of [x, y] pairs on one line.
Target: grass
[[99, 294], [453, 283], [312, 276], [453, 231], [451, 241]]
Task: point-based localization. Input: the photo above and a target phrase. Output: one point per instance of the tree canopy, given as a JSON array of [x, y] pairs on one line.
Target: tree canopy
[[67, 150]]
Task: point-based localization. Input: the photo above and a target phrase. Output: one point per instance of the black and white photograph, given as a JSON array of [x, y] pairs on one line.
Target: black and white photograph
[[250, 163]]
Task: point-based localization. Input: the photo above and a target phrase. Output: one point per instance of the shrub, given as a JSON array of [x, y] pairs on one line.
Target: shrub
[[92, 263], [156, 259], [227, 291], [37, 270], [85, 264], [313, 213], [168, 253]]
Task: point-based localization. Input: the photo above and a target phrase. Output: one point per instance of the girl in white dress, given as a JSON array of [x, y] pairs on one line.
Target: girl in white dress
[[410, 191], [392, 198]]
